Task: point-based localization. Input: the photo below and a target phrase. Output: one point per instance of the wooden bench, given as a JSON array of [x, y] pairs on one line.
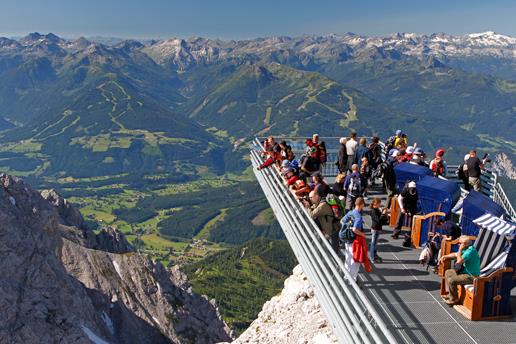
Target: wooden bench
[[418, 221], [488, 298]]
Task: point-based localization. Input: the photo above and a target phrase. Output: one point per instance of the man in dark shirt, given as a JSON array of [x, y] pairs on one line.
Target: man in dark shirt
[[407, 201], [450, 230], [361, 152], [342, 160], [310, 165], [320, 186], [474, 170]]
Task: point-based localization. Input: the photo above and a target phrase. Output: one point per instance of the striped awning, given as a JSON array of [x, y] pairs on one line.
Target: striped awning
[[496, 224]]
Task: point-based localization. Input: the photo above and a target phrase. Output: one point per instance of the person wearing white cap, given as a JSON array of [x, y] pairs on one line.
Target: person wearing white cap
[[462, 173], [407, 201]]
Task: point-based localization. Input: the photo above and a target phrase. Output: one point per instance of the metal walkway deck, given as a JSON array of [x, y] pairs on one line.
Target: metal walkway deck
[[407, 298], [399, 301]]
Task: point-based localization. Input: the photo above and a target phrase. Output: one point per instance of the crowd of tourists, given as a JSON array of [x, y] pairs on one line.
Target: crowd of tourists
[[338, 209]]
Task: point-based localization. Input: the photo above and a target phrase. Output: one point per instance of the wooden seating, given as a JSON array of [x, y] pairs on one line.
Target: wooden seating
[[447, 247], [488, 297], [423, 226]]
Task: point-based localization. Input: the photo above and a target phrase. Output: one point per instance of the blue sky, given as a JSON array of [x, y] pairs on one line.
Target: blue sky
[[230, 19]]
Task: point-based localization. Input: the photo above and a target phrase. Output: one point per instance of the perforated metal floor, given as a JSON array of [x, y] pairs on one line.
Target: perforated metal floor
[[407, 296]]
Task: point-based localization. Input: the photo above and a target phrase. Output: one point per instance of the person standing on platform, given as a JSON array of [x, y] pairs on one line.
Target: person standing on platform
[[355, 248], [407, 201]]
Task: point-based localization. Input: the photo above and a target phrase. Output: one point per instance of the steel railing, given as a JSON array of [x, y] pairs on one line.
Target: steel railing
[[489, 179], [329, 169], [490, 187], [349, 311]]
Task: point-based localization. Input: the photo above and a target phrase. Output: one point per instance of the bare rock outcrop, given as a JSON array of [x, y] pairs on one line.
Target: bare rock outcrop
[[68, 214], [294, 316], [503, 166], [56, 286]]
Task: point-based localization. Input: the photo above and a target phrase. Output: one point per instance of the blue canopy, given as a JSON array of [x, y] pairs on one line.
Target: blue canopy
[[405, 171], [475, 205], [437, 194]]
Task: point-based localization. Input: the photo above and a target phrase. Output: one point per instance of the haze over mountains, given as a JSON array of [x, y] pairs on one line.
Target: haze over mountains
[[183, 87], [149, 137]]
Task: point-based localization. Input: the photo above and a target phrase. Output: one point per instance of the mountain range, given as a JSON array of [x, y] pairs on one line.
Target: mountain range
[[166, 97], [149, 137]]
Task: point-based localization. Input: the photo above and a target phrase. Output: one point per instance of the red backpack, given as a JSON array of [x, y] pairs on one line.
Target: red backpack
[[438, 167]]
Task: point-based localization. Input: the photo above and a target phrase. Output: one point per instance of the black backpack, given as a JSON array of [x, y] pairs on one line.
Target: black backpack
[[461, 174], [376, 151], [346, 234], [355, 186]]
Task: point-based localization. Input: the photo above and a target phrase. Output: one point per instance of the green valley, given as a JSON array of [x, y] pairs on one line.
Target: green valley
[[243, 278]]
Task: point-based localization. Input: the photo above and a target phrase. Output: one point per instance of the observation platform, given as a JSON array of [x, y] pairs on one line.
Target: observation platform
[[406, 296], [398, 302]]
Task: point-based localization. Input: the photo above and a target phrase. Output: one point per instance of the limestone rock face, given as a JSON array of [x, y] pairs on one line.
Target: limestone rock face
[[294, 316], [58, 285], [112, 240], [504, 166], [68, 214]]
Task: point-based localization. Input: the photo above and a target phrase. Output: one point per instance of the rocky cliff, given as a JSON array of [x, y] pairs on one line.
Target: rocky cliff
[[61, 283], [294, 316]]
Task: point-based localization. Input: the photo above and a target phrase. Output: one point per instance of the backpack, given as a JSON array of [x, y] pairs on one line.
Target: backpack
[[336, 206], [295, 166], [390, 142], [322, 152], [429, 254], [376, 151], [346, 234], [461, 174], [355, 186], [438, 167], [387, 172]]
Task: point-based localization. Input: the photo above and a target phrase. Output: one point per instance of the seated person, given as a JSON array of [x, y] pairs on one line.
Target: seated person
[[300, 189], [321, 212], [310, 165], [286, 151], [320, 186], [450, 230], [273, 157], [469, 260], [289, 176]]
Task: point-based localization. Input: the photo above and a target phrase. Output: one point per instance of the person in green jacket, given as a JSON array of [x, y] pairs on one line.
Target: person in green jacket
[[468, 257]]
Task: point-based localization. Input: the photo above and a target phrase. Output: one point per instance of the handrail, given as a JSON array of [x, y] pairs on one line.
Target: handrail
[[491, 188], [329, 169], [349, 311], [490, 185]]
